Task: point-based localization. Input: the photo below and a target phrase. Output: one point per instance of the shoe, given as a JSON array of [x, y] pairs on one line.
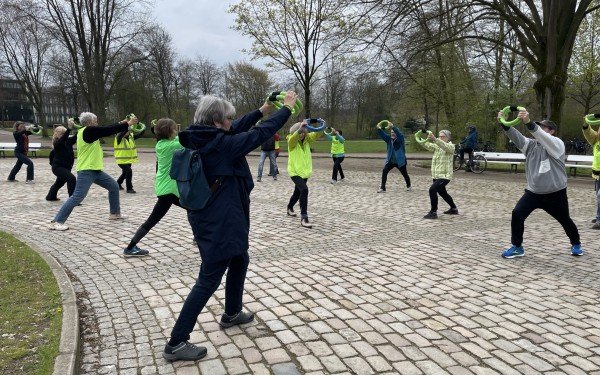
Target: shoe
[[452, 211], [468, 170], [135, 252], [381, 191], [57, 226], [576, 250], [593, 220], [184, 352], [596, 226], [290, 212], [408, 188], [258, 179], [9, 180], [117, 217], [304, 222], [52, 199], [240, 318], [121, 187], [513, 252], [341, 180], [131, 191], [29, 181], [333, 182], [274, 178], [430, 215]]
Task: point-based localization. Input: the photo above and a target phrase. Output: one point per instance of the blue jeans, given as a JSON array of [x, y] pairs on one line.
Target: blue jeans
[[21, 159], [209, 280], [261, 162], [85, 179]]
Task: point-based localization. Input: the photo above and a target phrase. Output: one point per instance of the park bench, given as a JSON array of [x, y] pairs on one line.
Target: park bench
[[574, 162], [512, 158], [10, 146]]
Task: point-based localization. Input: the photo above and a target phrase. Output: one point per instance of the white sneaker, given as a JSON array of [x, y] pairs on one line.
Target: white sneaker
[[117, 217], [409, 188], [381, 191], [57, 226], [30, 182], [333, 182]]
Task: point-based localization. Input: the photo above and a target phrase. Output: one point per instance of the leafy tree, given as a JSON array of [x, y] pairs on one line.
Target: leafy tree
[[246, 86]]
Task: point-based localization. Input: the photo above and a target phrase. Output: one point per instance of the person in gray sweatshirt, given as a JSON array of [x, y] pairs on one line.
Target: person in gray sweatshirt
[[546, 182]]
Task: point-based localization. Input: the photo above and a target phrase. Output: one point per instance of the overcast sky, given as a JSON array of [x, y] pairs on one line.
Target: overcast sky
[[202, 27]]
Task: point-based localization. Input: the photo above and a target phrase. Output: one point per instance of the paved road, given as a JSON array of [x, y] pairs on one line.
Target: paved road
[[372, 289]]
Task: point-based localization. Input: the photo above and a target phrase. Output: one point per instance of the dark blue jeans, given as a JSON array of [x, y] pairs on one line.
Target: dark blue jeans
[[21, 159], [207, 283]]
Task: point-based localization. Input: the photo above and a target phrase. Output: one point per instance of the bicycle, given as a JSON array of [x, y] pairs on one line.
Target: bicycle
[[478, 165]]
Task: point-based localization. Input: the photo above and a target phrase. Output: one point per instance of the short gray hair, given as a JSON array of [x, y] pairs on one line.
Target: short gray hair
[[211, 110], [295, 127], [86, 118]]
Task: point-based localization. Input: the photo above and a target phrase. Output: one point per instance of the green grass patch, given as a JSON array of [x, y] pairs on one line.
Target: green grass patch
[[30, 311]]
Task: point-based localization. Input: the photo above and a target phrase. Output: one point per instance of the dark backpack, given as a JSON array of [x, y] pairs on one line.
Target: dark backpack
[[187, 170]]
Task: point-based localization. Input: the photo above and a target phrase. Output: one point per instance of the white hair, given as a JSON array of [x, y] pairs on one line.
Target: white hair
[[87, 118], [295, 127], [211, 110]]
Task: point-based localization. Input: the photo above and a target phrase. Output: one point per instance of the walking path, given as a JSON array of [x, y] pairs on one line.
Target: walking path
[[372, 289]]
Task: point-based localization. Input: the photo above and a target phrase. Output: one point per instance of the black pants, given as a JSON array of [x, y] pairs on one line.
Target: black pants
[[161, 207], [63, 176], [555, 204], [469, 151], [388, 167], [337, 167], [300, 194], [127, 175], [439, 187], [21, 159]]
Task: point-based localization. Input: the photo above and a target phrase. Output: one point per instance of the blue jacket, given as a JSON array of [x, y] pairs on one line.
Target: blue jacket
[[397, 147], [470, 141], [221, 229]]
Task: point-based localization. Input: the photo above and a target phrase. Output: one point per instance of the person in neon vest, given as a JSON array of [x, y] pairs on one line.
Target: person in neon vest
[[337, 154], [125, 155], [90, 168]]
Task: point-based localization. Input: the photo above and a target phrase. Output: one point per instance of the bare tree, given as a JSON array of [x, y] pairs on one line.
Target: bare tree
[[246, 86], [161, 59], [208, 76]]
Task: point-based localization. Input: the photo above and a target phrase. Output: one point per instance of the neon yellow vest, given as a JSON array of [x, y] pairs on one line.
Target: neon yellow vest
[[89, 155], [337, 147], [125, 152]]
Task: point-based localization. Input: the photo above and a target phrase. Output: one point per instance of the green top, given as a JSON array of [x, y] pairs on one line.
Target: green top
[[591, 136], [299, 156], [164, 153], [441, 163], [89, 155]]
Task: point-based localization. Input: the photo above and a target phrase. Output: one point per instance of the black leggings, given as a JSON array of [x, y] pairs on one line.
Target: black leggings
[[388, 167], [301, 194], [127, 175], [467, 150], [337, 167], [555, 204], [161, 207], [439, 187], [63, 176]]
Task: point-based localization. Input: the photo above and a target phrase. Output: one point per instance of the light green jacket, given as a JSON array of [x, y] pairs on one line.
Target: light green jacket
[[441, 163], [591, 136], [299, 156]]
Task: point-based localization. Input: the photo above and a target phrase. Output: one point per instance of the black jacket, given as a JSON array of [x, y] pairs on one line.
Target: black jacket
[[63, 155], [22, 138]]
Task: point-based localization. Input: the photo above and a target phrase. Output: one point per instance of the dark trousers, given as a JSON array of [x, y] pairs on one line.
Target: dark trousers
[[63, 176], [161, 207], [439, 187], [21, 159], [337, 167], [127, 175], [207, 283], [555, 204], [467, 150], [300, 194], [388, 167]]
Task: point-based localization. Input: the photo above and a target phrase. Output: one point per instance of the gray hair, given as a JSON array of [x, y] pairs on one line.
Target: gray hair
[[211, 110], [295, 127], [87, 118]]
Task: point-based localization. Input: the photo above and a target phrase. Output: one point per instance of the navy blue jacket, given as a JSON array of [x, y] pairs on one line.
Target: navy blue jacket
[[470, 141], [221, 229], [20, 139]]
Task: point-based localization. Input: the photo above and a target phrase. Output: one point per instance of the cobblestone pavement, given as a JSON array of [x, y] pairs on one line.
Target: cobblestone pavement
[[372, 289]]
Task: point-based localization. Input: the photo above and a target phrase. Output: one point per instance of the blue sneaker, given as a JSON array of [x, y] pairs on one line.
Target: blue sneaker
[[135, 252], [576, 250], [513, 252]]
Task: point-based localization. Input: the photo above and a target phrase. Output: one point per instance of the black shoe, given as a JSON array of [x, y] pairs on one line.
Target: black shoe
[[240, 318], [290, 212], [121, 187], [430, 215], [452, 211], [135, 252], [52, 199], [304, 222], [131, 191], [184, 352], [594, 221]]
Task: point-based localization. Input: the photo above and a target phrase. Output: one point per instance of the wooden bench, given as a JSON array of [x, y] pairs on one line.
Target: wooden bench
[[10, 146], [574, 162], [512, 158]]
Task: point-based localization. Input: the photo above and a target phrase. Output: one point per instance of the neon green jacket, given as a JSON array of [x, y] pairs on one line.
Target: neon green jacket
[[299, 156], [591, 136]]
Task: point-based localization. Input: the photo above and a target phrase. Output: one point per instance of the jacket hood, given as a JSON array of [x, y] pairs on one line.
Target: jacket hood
[[198, 136]]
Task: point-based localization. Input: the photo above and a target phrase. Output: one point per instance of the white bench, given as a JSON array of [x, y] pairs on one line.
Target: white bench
[[10, 146], [512, 158], [574, 162]]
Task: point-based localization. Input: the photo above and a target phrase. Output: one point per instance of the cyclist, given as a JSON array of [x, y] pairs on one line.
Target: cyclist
[[468, 146]]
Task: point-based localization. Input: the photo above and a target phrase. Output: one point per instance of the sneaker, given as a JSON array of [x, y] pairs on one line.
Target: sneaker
[[381, 191], [52, 199], [594, 221], [341, 180], [430, 215], [117, 217], [57, 226], [184, 352], [452, 211], [513, 252], [240, 318], [121, 187], [29, 181], [408, 188], [333, 182], [290, 212], [576, 250], [274, 178], [258, 179], [596, 226], [135, 252], [131, 191], [304, 222]]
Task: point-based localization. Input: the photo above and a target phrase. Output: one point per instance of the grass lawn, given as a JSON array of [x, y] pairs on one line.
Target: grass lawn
[[30, 311]]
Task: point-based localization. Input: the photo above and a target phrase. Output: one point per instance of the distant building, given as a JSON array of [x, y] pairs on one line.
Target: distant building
[[14, 103], [58, 106]]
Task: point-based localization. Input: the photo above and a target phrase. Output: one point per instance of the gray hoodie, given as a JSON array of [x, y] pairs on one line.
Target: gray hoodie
[[544, 159]]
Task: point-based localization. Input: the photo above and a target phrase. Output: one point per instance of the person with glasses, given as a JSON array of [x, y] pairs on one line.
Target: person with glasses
[[546, 182], [441, 172]]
